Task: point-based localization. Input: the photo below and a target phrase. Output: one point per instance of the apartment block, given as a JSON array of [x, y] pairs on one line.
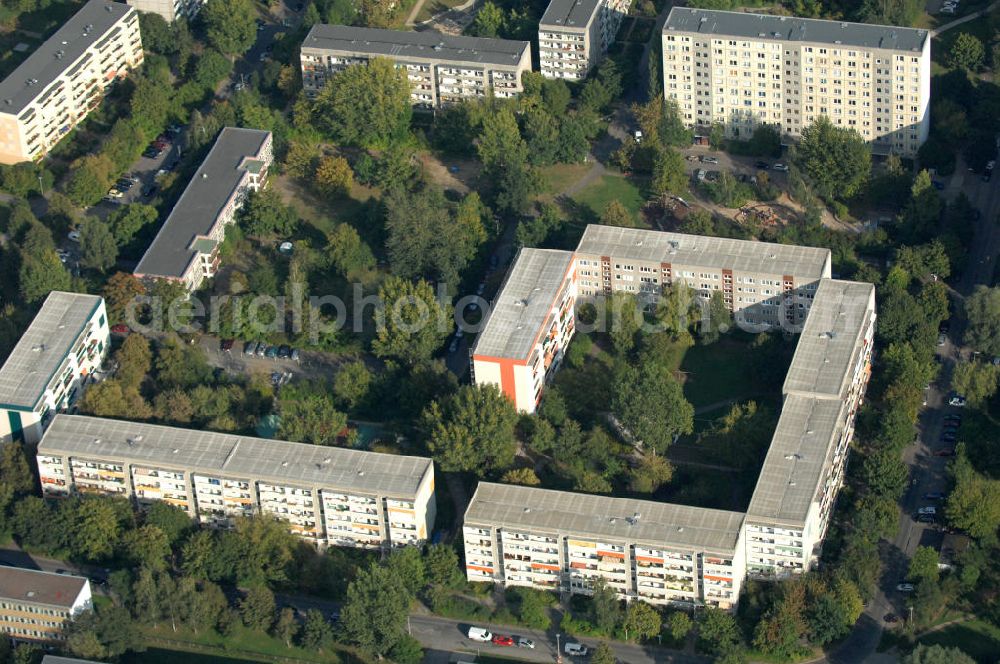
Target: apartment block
[[442, 69], [574, 35], [186, 249], [59, 84], [35, 605], [804, 469], [52, 363], [329, 496], [170, 10], [763, 284], [747, 70], [529, 326], [556, 540]]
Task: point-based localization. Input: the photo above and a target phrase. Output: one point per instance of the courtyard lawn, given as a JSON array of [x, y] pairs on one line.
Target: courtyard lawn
[[244, 645], [717, 372], [560, 177], [978, 638], [630, 192]]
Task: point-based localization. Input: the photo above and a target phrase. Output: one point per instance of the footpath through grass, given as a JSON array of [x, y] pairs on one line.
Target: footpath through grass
[[978, 638]]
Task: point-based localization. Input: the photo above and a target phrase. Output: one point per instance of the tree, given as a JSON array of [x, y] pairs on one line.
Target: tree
[[718, 321], [110, 399], [924, 565], [309, 415], [37, 277], [301, 158], [669, 176], [679, 626], [119, 292], [641, 621], [349, 253], [181, 365], [128, 220], [408, 566], [974, 504], [352, 383], [616, 214], [650, 474], [522, 476], [650, 405], [146, 546], [836, 159], [172, 521], [605, 609], [367, 105], [230, 25], [97, 528], [134, 359], [976, 381], [442, 566], [407, 651], [105, 632], [317, 634], [334, 177], [257, 609], [718, 632], [375, 610], [489, 21], [472, 430], [411, 323], [982, 309], [937, 655], [286, 627], [264, 213], [603, 654], [89, 180], [624, 319], [966, 52]]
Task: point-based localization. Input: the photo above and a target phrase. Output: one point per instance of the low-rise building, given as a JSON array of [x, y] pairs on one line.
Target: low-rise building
[[59, 84], [35, 605], [328, 495], [51, 364], [574, 35], [442, 69], [529, 327], [170, 10], [557, 540], [186, 249], [745, 70]]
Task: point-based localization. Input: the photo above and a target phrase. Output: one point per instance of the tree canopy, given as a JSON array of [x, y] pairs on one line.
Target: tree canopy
[[836, 159], [367, 105], [472, 430]]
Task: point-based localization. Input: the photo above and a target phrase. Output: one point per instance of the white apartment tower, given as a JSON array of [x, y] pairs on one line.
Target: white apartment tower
[[573, 35], [442, 69], [52, 363], [65, 79], [329, 496], [170, 10], [744, 70]]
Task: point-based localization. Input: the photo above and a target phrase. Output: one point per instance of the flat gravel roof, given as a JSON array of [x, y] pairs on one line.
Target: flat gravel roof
[[788, 28], [29, 585], [233, 455], [574, 14], [42, 348]]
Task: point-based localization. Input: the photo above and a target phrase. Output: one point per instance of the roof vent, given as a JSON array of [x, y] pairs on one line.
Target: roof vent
[[174, 451], [680, 529], [284, 464], [527, 510], [327, 460], [204, 176], [792, 483], [97, 441], [361, 473], [38, 349], [31, 593]]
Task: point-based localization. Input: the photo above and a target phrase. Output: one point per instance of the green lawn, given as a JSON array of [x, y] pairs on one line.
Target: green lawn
[[244, 645], [559, 177], [978, 638], [629, 191], [717, 372], [162, 656]]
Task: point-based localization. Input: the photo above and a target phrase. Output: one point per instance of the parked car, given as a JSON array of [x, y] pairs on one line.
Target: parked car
[[926, 518], [150, 190], [712, 176], [930, 509], [284, 351], [226, 345], [781, 167], [707, 159], [905, 587], [501, 640], [152, 153], [250, 348], [948, 437], [479, 634], [761, 165], [958, 401], [891, 618], [525, 643], [453, 347], [295, 354], [573, 648], [946, 452], [262, 349], [272, 352], [74, 236], [942, 340], [120, 329], [700, 175]]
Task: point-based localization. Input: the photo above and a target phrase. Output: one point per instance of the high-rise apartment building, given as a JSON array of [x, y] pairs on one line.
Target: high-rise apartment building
[[556, 540], [746, 70], [170, 10], [186, 249], [762, 283], [529, 326], [35, 605], [330, 496], [442, 69], [59, 84], [574, 35], [51, 364], [670, 553]]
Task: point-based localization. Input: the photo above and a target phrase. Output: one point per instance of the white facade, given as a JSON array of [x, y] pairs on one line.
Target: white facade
[[51, 365], [879, 87], [574, 36], [340, 497], [65, 79], [170, 10], [35, 605]]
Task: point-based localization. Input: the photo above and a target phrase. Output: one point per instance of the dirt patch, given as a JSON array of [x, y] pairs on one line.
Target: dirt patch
[[457, 174]]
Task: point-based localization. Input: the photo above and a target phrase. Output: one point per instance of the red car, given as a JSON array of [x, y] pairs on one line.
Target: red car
[[949, 452], [226, 345], [120, 328], [501, 640]]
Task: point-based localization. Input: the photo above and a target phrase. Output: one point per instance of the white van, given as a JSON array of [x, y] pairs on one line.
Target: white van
[[480, 634], [575, 649]]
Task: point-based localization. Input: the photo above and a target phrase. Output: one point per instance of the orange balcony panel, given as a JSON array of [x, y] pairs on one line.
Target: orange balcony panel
[[551, 568], [480, 568], [611, 554], [721, 579], [647, 559]]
